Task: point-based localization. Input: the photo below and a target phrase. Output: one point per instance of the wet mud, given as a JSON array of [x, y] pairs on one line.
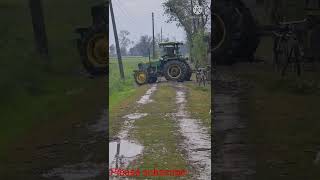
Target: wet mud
[[76, 172], [135, 116], [125, 150], [87, 169], [197, 141], [231, 157], [145, 99]]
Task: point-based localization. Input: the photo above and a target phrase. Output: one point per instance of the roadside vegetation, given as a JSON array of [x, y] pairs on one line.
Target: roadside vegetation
[[284, 123], [199, 102], [119, 89]]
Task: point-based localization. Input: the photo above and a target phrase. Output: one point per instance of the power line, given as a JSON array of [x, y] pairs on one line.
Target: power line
[[122, 12], [133, 33], [125, 12]]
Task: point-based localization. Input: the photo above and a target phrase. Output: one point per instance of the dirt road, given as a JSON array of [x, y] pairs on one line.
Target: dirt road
[[71, 146], [231, 159], [160, 132]]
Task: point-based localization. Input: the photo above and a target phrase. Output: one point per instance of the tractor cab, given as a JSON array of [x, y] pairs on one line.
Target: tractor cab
[[170, 49]]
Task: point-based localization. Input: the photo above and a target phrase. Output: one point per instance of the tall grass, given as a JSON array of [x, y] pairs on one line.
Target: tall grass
[[119, 89]]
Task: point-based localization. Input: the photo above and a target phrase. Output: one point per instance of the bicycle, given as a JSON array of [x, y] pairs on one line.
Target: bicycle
[[201, 76], [288, 46]]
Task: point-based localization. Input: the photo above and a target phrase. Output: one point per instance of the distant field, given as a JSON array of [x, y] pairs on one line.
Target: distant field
[[118, 89]]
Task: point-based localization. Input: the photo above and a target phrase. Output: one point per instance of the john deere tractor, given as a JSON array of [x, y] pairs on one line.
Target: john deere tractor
[[93, 42], [172, 65]]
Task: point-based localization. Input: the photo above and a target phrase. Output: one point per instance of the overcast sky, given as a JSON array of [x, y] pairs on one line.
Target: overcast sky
[[135, 17]]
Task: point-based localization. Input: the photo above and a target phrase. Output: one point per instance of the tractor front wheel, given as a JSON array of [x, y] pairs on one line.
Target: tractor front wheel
[[141, 77], [94, 48]]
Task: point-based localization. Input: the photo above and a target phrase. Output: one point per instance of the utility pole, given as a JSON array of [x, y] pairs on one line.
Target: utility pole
[[153, 43], [194, 30], [161, 35], [117, 42], [39, 30]]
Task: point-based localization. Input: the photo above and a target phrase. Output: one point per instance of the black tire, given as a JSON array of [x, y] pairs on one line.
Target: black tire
[[188, 73], [249, 39], [92, 63], [152, 79], [171, 75], [236, 32]]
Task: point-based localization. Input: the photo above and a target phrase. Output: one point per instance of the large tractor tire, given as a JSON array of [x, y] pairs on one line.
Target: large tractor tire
[[234, 32], [175, 70], [188, 73], [94, 48]]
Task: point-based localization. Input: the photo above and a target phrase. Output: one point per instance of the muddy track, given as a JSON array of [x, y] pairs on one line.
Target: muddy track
[[64, 144], [123, 150], [195, 144], [232, 156]]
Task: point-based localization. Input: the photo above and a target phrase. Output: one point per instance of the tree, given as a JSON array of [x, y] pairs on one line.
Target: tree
[[200, 50], [124, 41], [112, 50], [180, 11], [142, 47]]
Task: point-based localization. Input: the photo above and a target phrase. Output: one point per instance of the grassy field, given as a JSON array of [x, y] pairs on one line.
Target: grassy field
[[118, 89], [284, 123], [199, 102], [30, 95]]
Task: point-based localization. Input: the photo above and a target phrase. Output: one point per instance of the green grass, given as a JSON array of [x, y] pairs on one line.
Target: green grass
[[284, 124], [199, 102], [118, 89], [31, 95]]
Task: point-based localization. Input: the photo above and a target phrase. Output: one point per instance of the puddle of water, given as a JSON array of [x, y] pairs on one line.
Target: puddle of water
[[135, 116], [197, 141], [83, 170], [180, 97], [145, 99], [76, 171], [122, 152]]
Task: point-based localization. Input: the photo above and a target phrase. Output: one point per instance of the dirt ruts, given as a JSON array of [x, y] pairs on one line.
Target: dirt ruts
[[232, 154], [124, 150], [197, 141]]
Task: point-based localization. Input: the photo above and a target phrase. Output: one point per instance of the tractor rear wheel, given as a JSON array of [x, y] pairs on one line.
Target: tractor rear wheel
[[141, 77], [188, 73], [234, 32], [175, 70], [95, 50]]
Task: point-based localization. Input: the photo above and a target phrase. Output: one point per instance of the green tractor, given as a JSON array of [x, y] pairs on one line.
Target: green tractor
[[172, 65]]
